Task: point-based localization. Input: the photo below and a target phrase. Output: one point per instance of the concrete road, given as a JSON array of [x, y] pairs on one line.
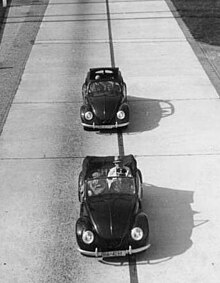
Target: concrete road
[[174, 133]]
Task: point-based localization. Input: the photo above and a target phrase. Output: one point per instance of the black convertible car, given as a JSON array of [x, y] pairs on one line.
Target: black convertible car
[[104, 100], [111, 221]]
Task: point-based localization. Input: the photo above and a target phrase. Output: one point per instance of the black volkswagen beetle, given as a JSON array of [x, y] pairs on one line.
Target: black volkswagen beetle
[[105, 103], [111, 221]]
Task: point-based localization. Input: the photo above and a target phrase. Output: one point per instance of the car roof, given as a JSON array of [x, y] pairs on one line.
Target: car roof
[[97, 163]]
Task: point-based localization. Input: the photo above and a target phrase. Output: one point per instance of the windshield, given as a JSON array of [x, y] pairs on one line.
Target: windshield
[[108, 88], [117, 185]]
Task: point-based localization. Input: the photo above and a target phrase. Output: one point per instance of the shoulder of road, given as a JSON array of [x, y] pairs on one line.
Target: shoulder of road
[[19, 26]]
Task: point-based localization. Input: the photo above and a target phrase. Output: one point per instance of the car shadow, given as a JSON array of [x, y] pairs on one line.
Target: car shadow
[[201, 18], [145, 115], [171, 224]]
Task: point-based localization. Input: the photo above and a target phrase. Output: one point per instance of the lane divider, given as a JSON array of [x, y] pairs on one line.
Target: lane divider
[[110, 35], [132, 258], [121, 151]]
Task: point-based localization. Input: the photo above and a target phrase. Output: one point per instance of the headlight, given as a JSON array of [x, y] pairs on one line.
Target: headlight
[[88, 237], [137, 233], [88, 115], [121, 114]]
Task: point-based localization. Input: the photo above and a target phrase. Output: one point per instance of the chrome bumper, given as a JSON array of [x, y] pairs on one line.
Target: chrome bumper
[[95, 126], [130, 251]]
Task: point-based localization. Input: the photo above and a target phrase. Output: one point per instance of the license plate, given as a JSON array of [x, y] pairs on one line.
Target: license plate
[[114, 253]]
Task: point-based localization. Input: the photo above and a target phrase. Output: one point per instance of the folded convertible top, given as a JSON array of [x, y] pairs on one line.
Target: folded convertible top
[[94, 163]]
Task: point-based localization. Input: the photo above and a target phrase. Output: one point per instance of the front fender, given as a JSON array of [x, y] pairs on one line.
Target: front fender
[[82, 224], [141, 221], [83, 109], [125, 108]]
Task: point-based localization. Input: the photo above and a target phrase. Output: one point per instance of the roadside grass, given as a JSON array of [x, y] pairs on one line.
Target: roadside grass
[[202, 18]]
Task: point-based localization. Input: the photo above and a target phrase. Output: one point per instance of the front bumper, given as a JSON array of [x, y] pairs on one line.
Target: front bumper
[[113, 126], [118, 253]]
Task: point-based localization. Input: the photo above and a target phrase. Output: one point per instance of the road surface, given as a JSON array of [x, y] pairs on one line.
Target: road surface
[[174, 134]]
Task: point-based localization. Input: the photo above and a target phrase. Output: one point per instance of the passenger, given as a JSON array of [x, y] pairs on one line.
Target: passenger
[[97, 185], [109, 86], [119, 169], [97, 77], [96, 87], [117, 87]]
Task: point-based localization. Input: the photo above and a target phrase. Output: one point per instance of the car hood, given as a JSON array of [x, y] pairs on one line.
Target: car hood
[[105, 107], [111, 217]]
